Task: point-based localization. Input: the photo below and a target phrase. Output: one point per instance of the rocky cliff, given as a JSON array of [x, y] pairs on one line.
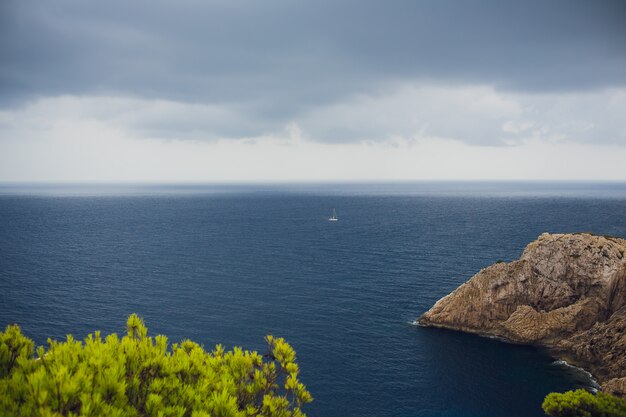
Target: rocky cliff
[[566, 292]]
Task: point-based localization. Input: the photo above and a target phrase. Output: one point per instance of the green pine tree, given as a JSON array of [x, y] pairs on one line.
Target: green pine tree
[[581, 403], [138, 375]]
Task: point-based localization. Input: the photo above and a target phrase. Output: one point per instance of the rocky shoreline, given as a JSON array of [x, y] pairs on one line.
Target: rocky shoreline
[[567, 292]]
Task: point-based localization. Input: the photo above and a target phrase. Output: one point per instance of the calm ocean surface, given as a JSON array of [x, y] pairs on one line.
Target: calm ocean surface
[[229, 264]]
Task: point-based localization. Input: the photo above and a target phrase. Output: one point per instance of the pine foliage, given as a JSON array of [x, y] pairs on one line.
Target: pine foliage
[[138, 375], [581, 403]]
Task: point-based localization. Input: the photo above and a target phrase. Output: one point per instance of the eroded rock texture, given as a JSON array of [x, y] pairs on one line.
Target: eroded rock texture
[[566, 292]]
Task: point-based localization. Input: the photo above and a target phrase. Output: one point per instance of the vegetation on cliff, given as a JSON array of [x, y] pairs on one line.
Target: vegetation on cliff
[[138, 375], [581, 403]]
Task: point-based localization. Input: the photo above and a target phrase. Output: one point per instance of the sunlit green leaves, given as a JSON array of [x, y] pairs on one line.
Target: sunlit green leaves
[[138, 375], [13, 346]]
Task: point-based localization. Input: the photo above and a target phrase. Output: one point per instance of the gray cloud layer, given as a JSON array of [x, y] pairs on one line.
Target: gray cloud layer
[[273, 62]]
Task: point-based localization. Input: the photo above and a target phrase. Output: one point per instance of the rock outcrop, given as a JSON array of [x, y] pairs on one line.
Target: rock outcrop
[[566, 292]]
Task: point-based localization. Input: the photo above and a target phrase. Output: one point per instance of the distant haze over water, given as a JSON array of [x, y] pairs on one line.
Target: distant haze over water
[[605, 189], [231, 263]]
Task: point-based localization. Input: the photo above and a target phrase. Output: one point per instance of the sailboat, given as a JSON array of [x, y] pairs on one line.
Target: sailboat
[[333, 218]]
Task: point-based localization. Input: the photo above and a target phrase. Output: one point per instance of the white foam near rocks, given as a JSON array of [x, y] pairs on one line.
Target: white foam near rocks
[[593, 384]]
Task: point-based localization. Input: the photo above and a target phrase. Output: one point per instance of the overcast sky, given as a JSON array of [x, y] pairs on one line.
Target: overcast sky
[[289, 90]]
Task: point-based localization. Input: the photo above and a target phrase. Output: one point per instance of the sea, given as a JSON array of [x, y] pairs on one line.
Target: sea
[[230, 263]]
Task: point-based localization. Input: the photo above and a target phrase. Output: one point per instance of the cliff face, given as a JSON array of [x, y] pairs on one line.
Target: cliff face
[[566, 292]]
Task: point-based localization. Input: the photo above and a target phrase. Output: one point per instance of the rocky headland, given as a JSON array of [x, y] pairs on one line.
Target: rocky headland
[[567, 292]]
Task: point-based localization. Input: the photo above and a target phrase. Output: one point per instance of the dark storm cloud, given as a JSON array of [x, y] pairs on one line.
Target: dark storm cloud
[[275, 60]]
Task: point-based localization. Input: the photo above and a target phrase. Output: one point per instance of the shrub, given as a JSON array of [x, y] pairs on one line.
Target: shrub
[[138, 375], [581, 403]]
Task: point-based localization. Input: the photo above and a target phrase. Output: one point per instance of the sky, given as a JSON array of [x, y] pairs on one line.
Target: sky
[[247, 91]]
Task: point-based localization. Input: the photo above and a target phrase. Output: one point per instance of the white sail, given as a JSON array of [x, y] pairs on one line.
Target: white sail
[[333, 218]]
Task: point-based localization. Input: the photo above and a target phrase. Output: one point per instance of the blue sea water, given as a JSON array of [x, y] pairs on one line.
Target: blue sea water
[[231, 263]]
